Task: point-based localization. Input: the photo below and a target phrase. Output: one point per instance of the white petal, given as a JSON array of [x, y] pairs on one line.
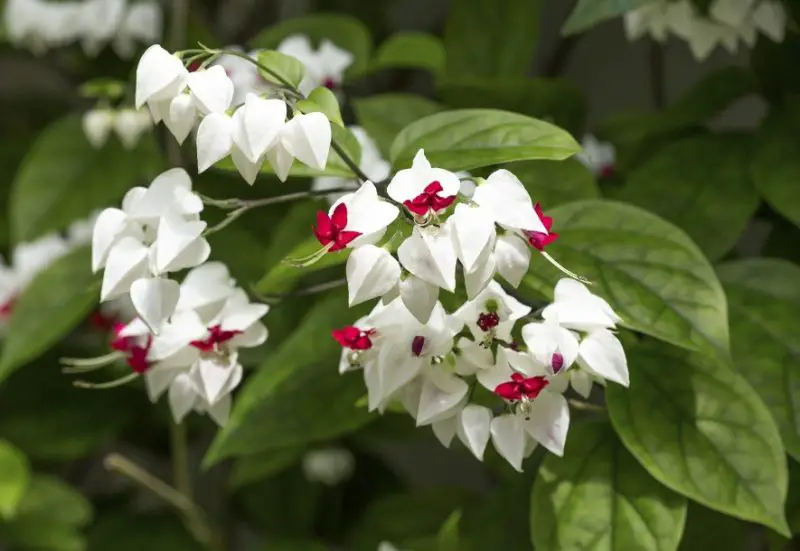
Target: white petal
[[155, 300], [253, 336], [214, 140], [473, 428], [512, 256], [204, 286], [441, 393], [509, 438], [129, 126], [603, 354], [157, 380], [211, 376], [263, 121], [127, 262], [549, 421], [182, 114], [477, 280], [248, 170], [366, 213], [182, 397], [546, 339], [396, 367], [221, 411], [428, 254], [770, 17], [97, 125], [175, 237], [504, 196], [419, 296], [581, 382], [159, 75], [445, 430], [371, 272], [308, 138], [473, 358], [109, 226], [281, 160], [212, 90], [473, 231]]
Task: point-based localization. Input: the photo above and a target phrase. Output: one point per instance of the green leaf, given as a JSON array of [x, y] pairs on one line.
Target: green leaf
[[15, 475], [776, 166], [53, 303], [322, 100], [470, 138], [597, 497], [764, 297], [51, 502], [384, 116], [707, 529], [554, 100], [252, 468], [288, 401], [133, 532], [32, 536], [283, 69], [490, 39], [411, 50], [700, 184], [556, 182], [702, 431], [589, 13], [347, 33], [447, 539], [63, 178], [651, 273]]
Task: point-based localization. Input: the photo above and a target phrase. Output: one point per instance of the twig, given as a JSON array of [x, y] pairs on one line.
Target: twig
[[349, 162], [585, 406], [180, 459]]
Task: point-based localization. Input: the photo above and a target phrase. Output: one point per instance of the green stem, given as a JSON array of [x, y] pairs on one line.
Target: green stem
[[180, 459]]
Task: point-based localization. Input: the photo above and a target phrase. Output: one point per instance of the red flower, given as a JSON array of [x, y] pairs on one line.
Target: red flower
[[557, 362], [539, 240], [215, 337], [137, 357], [353, 338], [330, 83], [520, 387], [332, 229], [417, 344], [488, 321], [429, 199]]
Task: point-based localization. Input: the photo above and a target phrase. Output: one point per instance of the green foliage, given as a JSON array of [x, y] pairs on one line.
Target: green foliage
[[384, 116], [763, 297], [411, 50], [53, 303], [598, 497], [490, 39], [470, 138], [588, 13], [652, 274], [252, 468], [63, 178], [14, 478], [710, 437], [322, 100], [447, 539], [282, 69], [131, 532], [708, 529], [556, 182]]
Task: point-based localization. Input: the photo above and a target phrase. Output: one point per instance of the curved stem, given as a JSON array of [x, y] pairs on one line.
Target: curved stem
[[180, 459]]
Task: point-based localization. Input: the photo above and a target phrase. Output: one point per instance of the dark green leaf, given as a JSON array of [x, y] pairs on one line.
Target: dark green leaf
[[63, 178], [597, 497], [556, 182], [133, 532], [283, 69], [289, 400], [51, 502], [764, 298], [702, 431], [15, 475], [707, 529], [776, 166], [470, 138], [252, 468], [700, 184], [384, 116], [447, 538], [411, 50], [652, 274], [489, 39], [32, 536], [589, 13], [322, 100], [53, 303], [344, 31]]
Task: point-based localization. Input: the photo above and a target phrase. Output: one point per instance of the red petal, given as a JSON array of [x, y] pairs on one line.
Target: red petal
[[419, 205], [441, 203], [533, 386], [343, 239], [323, 231], [339, 218], [508, 391], [433, 188]]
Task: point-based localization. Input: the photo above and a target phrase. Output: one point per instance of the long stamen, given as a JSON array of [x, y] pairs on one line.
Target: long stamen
[[564, 270], [89, 364], [310, 259], [110, 384]]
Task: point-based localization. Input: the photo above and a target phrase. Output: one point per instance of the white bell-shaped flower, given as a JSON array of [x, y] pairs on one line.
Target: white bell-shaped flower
[[472, 425], [492, 313], [160, 76], [129, 126], [506, 201], [324, 67], [211, 89], [424, 190], [576, 307], [371, 272], [155, 300], [551, 344], [429, 254], [181, 117], [97, 125], [357, 219], [142, 23]]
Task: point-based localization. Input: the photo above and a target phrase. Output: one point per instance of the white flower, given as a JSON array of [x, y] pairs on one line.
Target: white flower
[[130, 124], [576, 307], [244, 75], [100, 20], [142, 23], [472, 426], [429, 255], [597, 156], [371, 272], [160, 77], [324, 67], [306, 138], [330, 466], [97, 125], [424, 190], [492, 313]]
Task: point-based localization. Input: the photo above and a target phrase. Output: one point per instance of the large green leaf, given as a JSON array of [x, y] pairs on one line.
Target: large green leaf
[[556, 182], [470, 138], [764, 298], [385, 115], [702, 431], [653, 275], [49, 307], [589, 13], [252, 468], [489, 39], [551, 99], [133, 532], [290, 401], [597, 497], [707, 529], [15, 475], [347, 33], [776, 165], [411, 50], [63, 178], [283, 68], [700, 184]]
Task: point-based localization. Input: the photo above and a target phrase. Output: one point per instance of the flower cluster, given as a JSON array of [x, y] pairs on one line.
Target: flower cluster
[[728, 22], [28, 259], [41, 24], [253, 133], [127, 124], [325, 66], [597, 156]]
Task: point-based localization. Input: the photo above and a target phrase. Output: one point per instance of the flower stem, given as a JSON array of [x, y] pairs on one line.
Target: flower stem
[[180, 459]]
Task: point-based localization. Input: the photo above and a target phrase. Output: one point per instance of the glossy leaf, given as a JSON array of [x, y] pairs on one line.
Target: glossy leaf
[[702, 431], [411, 50], [490, 39], [700, 184], [764, 298], [63, 178], [283, 69], [652, 274], [15, 475], [470, 138], [448, 539], [132, 532], [588, 13], [553, 183], [324, 101], [53, 303], [708, 529], [597, 497], [252, 468], [384, 116]]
